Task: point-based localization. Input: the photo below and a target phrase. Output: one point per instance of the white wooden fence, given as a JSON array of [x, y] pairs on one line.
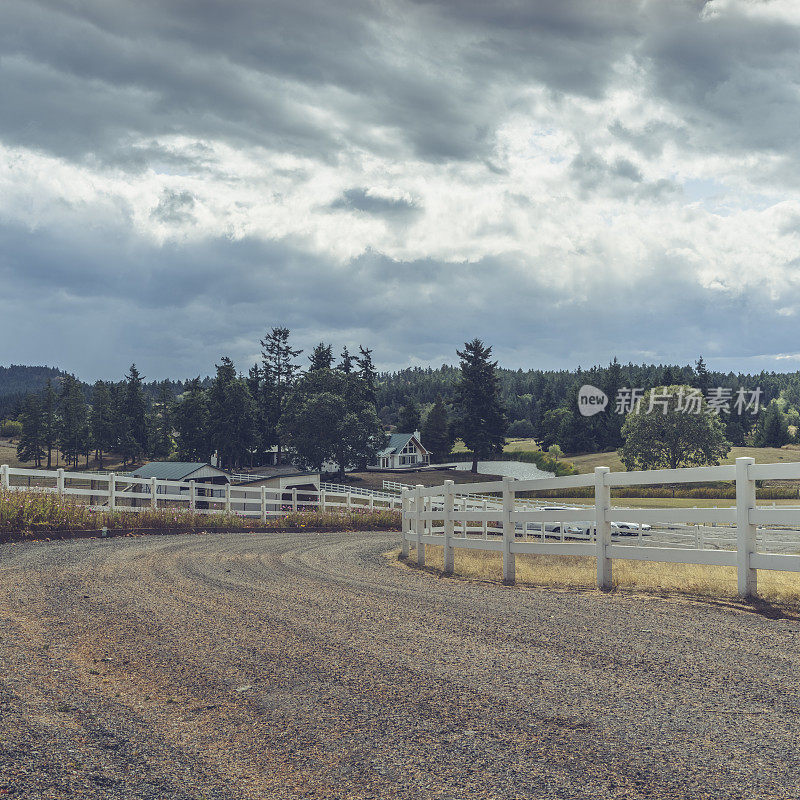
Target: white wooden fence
[[111, 492], [430, 516]]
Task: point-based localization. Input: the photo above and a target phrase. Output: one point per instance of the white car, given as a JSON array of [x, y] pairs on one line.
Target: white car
[[626, 528], [622, 528]]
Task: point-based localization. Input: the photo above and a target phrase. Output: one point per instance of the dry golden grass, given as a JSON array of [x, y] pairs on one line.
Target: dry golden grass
[[580, 572], [762, 455]]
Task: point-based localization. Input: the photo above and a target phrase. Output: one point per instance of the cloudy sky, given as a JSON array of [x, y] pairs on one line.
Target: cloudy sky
[[568, 180]]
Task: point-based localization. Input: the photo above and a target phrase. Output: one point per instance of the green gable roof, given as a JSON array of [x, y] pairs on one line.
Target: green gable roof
[[170, 470], [397, 441]]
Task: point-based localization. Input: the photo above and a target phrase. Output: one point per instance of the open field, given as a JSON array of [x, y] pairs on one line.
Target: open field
[[510, 445], [578, 572], [762, 455], [667, 502], [311, 665]]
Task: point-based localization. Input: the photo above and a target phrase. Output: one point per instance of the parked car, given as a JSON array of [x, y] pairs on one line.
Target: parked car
[[622, 528]]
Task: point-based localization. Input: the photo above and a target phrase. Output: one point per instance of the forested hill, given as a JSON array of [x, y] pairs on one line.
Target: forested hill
[[17, 380]]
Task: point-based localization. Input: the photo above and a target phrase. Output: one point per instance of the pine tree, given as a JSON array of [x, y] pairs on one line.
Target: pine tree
[[481, 418], [366, 371], [410, 417], [161, 427], [321, 357], [191, 423], [609, 424], [49, 421], [436, 432], [136, 437], [232, 415], [280, 372], [31, 445], [102, 421], [346, 364], [73, 432], [772, 429], [702, 376], [262, 435]]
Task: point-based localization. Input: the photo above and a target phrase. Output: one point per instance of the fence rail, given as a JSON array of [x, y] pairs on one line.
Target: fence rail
[[496, 521], [114, 492]]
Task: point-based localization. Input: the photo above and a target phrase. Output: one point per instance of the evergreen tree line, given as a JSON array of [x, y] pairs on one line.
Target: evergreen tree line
[[325, 410], [543, 404], [240, 418], [323, 414], [119, 418]]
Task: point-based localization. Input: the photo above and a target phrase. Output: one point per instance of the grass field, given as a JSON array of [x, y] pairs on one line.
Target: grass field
[[669, 502], [580, 572], [587, 462], [510, 445], [8, 455], [762, 455]]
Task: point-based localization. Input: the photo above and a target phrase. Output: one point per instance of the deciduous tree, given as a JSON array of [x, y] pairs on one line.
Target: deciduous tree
[[670, 436]]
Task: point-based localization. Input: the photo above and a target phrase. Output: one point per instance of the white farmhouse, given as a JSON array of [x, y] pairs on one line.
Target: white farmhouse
[[404, 451]]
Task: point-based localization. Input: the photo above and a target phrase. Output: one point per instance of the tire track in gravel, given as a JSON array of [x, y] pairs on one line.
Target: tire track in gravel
[[306, 665]]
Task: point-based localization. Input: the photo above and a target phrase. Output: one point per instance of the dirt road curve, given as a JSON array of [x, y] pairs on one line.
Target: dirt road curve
[[272, 666]]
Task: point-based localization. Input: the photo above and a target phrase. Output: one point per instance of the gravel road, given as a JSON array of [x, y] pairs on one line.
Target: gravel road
[[310, 665]]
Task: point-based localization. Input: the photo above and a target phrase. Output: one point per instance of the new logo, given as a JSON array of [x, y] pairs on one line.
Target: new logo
[[591, 400]]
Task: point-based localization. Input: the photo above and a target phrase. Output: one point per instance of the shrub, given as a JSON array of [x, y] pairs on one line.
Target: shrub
[[10, 427], [521, 429]]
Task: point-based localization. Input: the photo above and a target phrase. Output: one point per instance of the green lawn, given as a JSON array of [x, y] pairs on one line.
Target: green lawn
[[510, 445]]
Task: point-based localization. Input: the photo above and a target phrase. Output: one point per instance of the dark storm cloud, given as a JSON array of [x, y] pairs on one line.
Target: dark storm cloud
[[247, 71], [89, 78], [734, 76], [176, 310], [359, 87]]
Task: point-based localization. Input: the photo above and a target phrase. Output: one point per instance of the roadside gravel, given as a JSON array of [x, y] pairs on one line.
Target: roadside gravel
[[310, 665]]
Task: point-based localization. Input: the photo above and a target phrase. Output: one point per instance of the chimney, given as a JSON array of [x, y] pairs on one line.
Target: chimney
[[417, 436]]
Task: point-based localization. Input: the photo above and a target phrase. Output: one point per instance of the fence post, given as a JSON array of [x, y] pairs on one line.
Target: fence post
[[405, 523], [4, 481], [419, 526], [602, 526], [263, 508], [321, 501], [60, 480], [348, 499], [485, 521], [112, 488], [227, 498], [509, 559], [448, 562], [294, 499], [192, 497], [745, 531], [153, 495]]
